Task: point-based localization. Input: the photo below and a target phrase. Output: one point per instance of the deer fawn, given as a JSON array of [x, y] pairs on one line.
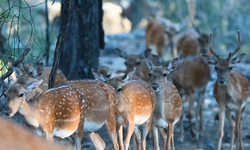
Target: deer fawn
[[40, 72], [159, 35], [135, 103], [102, 98], [23, 140], [106, 71], [230, 92], [193, 42], [191, 78], [139, 61], [58, 111], [169, 104]]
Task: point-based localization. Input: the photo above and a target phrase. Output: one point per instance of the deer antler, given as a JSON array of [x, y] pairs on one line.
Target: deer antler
[[210, 46], [238, 48]]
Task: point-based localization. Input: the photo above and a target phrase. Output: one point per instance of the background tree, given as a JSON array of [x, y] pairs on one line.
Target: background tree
[[83, 39]]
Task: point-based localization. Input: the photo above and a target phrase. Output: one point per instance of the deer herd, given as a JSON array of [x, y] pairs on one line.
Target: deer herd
[[148, 98]]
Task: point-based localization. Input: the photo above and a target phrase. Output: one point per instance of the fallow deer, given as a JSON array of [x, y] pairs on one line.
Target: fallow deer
[[139, 61], [40, 72], [193, 42], [23, 139], [102, 98], [59, 111], [231, 92], [159, 35], [191, 78], [169, 104], [135, 103]]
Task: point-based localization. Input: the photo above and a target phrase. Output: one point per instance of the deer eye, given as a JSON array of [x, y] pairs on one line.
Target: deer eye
[[138, 63], [30, 73], [21, 95], [149, 74], [119, 90], [108, 76], [215, 68], [164, 75], [230, 68]]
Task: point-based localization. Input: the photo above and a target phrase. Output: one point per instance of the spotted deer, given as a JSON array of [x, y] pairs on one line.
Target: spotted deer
[[231, 92], [191, 78], [23, 139], [193, 42], [40, 72], [135, 103], [139, 61], [58, 111], [102, 98], [159, 35], [168, 108]]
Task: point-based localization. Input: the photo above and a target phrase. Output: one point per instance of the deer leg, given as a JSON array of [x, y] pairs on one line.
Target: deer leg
[[111, 128], [137, 138], [232, 127], [131, 128], [49, 133], [154, 131], [240, 135], [146, 127], [120, 136], [201, 103], [78, 135], [181, 138], [221, 128], [191, 105], [238, 120], [97, 140], [170, 132], [164, 136], [173, 147]]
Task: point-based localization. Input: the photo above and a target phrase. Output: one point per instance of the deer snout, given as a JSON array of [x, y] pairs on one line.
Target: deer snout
[[222, 81], [7, 111], [155, 86]]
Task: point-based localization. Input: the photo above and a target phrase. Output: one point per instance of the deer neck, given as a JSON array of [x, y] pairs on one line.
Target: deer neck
[[159, 109]]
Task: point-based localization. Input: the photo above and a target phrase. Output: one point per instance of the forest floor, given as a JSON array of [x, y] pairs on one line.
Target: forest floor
[[134, 43]]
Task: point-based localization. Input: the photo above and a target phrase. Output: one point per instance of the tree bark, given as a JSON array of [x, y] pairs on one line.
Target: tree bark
[[47, 33], [84, 38]]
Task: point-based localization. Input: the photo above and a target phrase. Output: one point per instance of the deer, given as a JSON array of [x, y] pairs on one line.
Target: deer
[[193, 42], [106, 71], [168, 108], [40, 72], [135, 103], [102, 98], [191, 78], [159, 35], [230, 91], [139, 61], [58, 111], [23, 139]]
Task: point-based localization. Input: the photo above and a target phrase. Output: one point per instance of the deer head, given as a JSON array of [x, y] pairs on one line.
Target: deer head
[[17, 93], [158, 74], [223, 66]]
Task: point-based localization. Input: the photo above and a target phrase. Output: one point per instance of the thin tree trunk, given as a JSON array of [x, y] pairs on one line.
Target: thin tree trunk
[[47, 33], [60, 39]]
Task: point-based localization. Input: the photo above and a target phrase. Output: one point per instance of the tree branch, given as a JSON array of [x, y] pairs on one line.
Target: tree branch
[[15, 64]]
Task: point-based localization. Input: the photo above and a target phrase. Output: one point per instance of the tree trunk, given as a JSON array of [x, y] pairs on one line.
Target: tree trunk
[[83, 39]]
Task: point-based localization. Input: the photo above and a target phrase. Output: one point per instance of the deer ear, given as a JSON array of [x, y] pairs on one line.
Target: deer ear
[[238, 59], [33, 85], [39, 68], [98, 75], [173, 64], [150, 64], [209, 60], [121, 53], [127, 77]]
